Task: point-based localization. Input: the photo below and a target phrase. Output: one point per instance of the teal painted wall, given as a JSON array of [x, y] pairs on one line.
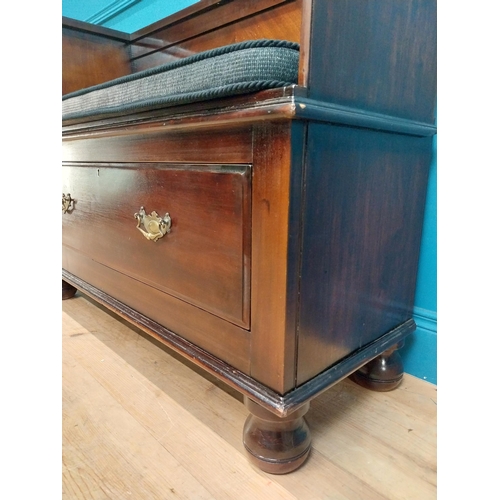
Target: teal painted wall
[[146, 12], [129, 15], [420, 350], [76, 9]]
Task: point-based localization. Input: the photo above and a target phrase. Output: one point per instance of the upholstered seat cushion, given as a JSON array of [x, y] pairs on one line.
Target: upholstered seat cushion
[[233, 69]]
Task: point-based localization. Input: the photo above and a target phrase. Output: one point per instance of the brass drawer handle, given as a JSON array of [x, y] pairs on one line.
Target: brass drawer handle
[[67, 203], [155, 226]]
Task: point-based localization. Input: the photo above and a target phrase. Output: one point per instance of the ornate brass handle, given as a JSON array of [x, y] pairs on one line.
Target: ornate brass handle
[[67, 203], [155, 226]]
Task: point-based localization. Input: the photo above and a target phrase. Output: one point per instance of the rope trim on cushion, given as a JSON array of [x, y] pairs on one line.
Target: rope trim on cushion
[[186, 61], [227, 90], [234, 69]]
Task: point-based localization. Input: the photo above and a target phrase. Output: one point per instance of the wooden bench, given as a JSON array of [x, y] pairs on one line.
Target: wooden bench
[[270, 235]]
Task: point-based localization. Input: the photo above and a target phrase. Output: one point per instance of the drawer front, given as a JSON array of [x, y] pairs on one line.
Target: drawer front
[[205, 258]]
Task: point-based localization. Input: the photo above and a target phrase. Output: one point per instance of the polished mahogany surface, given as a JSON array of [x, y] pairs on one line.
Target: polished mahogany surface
[[378, 56], [92, 55], [229, 23], [361, 241], [157, 143]]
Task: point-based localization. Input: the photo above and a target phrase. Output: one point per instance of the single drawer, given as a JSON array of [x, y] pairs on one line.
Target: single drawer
[[203, 259]]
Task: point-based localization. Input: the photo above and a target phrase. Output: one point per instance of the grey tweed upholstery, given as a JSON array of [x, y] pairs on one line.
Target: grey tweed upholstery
[[233, 69]]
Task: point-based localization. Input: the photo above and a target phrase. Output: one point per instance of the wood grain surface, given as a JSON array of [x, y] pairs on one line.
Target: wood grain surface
[[230, 22], [90, 58], [362, 227], [380, 56]]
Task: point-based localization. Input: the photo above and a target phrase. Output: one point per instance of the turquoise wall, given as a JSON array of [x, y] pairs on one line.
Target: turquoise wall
[[146, 12], [76, 9], [420, 350], [124, 15]]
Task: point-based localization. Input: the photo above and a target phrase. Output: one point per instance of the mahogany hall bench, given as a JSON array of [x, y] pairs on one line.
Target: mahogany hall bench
[[246, 181]]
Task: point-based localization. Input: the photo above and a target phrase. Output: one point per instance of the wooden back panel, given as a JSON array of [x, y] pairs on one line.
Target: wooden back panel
[[208, 28], [92, 55]]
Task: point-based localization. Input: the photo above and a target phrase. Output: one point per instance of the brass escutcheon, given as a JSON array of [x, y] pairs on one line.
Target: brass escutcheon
[[155, 226], [67, 202]]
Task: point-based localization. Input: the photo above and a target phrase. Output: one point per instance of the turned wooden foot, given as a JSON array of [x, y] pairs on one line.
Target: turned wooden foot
[[274, 444], [384, 373], [67, 290]]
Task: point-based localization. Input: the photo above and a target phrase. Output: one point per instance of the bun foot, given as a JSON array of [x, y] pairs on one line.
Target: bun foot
[[67, 290], [384, 373], [273, 444]]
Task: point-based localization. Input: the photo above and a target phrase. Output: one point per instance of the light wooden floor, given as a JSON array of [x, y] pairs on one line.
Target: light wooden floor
[[139, 423]]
